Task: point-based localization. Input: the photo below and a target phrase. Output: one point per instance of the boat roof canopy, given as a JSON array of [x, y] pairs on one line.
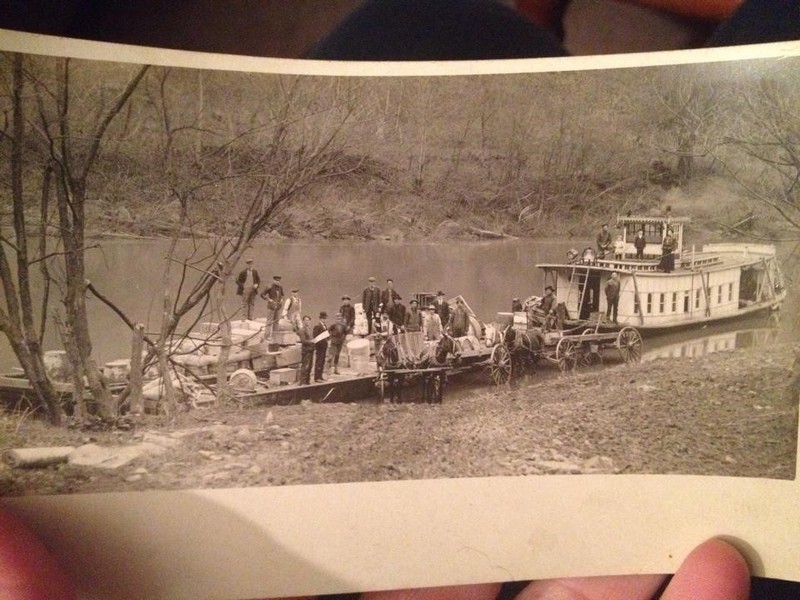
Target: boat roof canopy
[[643, 219]]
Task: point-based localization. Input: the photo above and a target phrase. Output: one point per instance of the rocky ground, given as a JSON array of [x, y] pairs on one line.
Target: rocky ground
[[723, 414]]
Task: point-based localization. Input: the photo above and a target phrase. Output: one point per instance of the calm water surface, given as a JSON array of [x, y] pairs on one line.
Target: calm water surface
[[487, 274]]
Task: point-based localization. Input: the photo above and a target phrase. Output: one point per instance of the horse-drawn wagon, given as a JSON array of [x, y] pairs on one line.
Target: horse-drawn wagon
[[518, 349]]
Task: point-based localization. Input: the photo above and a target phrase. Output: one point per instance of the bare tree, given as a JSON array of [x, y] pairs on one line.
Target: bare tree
[[18, 321], [63, 134]]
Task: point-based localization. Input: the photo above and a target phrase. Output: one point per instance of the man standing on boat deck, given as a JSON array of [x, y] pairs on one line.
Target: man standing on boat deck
[[293, 308], [413, 320], [605, 244], [668, 246], [371, 303], [274, 297], [639, 243], [390, 299], [306, 350], [433, 325], [348, 314], [442, 307], [247, 283], [338, 332], [321, 348], [459, 320], [612, 297]]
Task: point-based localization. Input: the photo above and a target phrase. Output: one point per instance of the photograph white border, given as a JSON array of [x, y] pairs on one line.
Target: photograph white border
[[311, 539]]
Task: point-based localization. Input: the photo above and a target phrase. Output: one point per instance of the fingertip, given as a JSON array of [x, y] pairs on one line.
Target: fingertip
[[714, 570], [28, 571]]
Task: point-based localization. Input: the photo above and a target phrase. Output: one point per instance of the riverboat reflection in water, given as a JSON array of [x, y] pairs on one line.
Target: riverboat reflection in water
[[692, 343]]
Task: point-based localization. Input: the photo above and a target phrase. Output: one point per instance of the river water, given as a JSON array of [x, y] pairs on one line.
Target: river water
[[487, 274]]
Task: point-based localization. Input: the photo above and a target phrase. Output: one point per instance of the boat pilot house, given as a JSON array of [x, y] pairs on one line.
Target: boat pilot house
[[663, 284]]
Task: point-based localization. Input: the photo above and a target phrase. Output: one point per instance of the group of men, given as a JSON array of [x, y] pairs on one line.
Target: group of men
[[383, 308], [606, 247], [385, 313]]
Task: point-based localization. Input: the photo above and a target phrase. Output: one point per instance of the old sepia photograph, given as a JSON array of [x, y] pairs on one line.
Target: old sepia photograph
[[218, 279]]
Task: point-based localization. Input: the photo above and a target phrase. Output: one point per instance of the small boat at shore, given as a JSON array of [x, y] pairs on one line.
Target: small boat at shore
[[720, 281]]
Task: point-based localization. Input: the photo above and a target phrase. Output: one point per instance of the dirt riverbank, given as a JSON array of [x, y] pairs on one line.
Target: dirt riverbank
[[722, 414]]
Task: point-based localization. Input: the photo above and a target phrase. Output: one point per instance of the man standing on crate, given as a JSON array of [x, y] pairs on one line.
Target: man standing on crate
[[274, 297], [247, 283]]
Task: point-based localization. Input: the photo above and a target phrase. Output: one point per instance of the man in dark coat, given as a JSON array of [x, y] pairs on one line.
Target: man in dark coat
[[442, 308], [639, 243], [321, 348], [371, 303], [413, 318], [612, 297], [459, 320], [306, 336], [668, 246], [605, 244], [348, 313], [247, 283], [338, 335], [274, 297], [390, 300]]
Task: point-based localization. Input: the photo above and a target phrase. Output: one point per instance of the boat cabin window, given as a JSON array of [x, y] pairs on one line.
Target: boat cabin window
[[686, 301], [661, 303], [730, 292], [653, 232], [719, 295], [649, 303], [674, 301], [697, 298]]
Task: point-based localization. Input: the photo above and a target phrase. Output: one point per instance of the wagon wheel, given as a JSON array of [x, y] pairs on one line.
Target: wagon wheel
[[567, 354], [629, 344], [500, 369]]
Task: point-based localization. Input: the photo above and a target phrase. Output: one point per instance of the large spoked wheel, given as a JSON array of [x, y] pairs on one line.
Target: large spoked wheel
[[629, 344], [567, 353], [500, 368]]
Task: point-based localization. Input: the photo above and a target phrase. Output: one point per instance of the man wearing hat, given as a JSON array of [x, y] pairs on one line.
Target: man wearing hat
[[549, 300], [442, 308], [413, 318], [321, 348], [348, 314], [306, 349], [274, 297], [247, 283], [371, 302], [293, 308], [338, 331], [433, 325]]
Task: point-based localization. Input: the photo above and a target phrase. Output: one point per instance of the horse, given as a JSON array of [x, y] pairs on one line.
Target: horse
[[445, 347], [523, 346]]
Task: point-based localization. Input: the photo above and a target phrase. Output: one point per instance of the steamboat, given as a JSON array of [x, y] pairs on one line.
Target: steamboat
[[717, 282]]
